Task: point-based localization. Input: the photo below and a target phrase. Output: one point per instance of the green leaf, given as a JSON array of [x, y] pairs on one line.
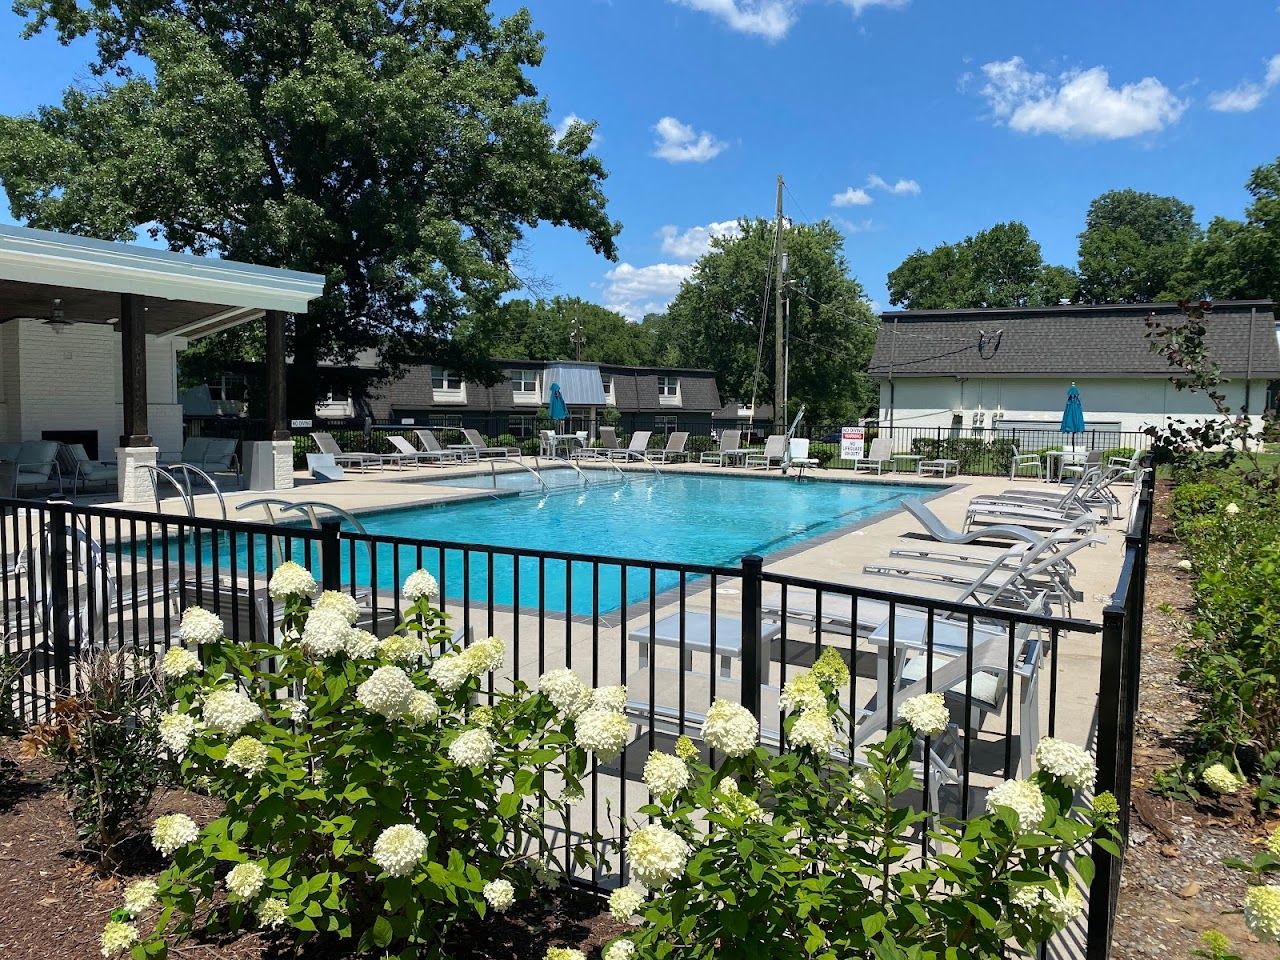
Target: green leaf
[[382, 932]]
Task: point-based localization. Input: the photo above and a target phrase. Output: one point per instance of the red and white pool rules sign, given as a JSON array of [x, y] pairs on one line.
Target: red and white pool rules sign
[[852, 440]]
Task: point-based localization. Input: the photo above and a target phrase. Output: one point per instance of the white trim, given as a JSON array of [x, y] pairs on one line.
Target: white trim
[[62, 260]]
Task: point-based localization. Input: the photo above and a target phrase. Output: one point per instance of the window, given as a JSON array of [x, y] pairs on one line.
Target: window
[[524, 386], [664, 425], [669, 390], [607, 382], [520, 426], [447, 385]]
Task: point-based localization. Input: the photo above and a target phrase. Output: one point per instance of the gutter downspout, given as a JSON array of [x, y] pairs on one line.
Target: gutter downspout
[[1248, 369]]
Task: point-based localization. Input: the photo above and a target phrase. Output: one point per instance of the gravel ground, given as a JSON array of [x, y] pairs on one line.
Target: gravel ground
[[1174, 886]]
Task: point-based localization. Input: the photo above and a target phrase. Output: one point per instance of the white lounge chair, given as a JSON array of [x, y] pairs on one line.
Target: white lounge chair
[[774, 452], [798, 455], [361, 460], [608, 442], [479, 447], [431, 447], [673, 451], [881, 453], [728, 452], [635, 450], [73, 461], [410, 454]]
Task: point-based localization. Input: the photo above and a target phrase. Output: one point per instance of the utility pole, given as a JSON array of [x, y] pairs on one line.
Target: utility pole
[[576, 337], [779, 360]]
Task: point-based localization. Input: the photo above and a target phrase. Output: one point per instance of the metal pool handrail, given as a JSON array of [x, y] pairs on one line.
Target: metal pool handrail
[[493, 471], [309, 507]]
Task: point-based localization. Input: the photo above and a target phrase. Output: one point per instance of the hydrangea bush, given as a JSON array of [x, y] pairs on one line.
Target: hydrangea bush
[[368, 796], [796, 855]]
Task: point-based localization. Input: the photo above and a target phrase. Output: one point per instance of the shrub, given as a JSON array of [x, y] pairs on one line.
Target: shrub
[[12, 667], [507, 440], [699, 445], [790, 856], [827, 454], [106, 738], [530, 446], [367, 794]]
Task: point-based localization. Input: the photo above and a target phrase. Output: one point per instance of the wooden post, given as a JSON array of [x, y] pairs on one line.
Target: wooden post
[[277, 424], [133, 356]]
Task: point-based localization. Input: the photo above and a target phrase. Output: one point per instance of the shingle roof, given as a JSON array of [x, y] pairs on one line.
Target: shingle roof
[[1107, 340], [635, 389]]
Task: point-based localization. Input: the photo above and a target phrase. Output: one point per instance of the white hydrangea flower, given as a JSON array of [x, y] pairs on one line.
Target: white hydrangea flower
[[1029, 898], [565, 953], [664, 773], [609, 698], [831, 668], [604, 732], [1066, 761], [1232, 509], [1184, 564], [273, 912], [484, 655], [172, 831], [1273, 842], [178, 662], [730, 728], [619, 950], [572, 795], [926, 714], [420, 585], [626, 902], [422, 709], [732, 802], [292, 580], [388, 692], [1063, 905], [400, 648], [139, 896], [326, 633], [865, 785], [245, 880], [118, 937], [248, 754], [200, 626], [362, 645], [500, 895], [1220, 780], [1262, 912], [398, 849], [229, 711], [472, 748], [814, 729], [450, 672], [176, 731], [803, 693], [657, 855], [297, 709], [565, 690], [1022, 797], [340, 603]]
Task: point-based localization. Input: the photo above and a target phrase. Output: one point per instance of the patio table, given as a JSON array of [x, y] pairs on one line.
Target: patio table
[[937, 466], [568, 439], [1055, 460], [697, 637], [912, 461]]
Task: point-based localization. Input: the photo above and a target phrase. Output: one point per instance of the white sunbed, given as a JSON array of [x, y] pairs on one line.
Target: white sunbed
[[728, 451], [773, 454], [635, 450]]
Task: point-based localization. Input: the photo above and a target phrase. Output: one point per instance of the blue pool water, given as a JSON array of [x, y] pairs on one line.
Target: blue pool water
[[673, 518]]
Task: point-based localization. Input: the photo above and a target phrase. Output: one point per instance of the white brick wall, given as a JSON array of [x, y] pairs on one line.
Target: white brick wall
[[72, 381]]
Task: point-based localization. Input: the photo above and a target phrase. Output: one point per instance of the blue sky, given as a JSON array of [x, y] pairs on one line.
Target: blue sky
[[928, 119]]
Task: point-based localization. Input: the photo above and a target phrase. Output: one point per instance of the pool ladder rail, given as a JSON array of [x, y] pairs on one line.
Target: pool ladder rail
[[179, 476], [311, 508]]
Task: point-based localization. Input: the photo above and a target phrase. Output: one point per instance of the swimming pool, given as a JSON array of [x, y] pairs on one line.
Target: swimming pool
[[675, 518]]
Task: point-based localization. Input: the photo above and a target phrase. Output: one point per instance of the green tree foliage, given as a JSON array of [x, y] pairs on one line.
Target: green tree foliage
[[1237, 259], [714, 321], [399, 149], [1132, 246], [543, 330], [999, 267]]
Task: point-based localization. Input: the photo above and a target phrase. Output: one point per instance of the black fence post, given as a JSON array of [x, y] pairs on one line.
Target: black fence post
[[753, 656], [330, 554], [59, 594], [1112, 686]]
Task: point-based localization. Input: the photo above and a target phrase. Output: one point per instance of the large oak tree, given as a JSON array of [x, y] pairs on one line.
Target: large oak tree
[[1132, 245], [399, 148]]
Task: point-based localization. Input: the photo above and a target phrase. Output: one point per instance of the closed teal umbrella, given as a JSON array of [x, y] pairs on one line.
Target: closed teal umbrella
[[1072, 414], [559, 410]]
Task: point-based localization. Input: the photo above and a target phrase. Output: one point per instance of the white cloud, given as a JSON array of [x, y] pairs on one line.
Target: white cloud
[[563, 127], [901, 187], [1248, 95], [680, 143], [771, 19], [852, 197], [1078, 103], [857, 226], [693, 243], [635, 291]]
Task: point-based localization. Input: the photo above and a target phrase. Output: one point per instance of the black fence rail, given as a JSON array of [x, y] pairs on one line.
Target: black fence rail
[[678, 636]]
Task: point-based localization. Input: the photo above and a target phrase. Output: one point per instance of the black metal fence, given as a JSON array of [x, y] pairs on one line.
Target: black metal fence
[[677, 635]]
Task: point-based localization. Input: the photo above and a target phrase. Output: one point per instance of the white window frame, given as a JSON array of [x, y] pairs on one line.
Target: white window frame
[[669, 391], [446, 393], [606, 381], [519, 393]]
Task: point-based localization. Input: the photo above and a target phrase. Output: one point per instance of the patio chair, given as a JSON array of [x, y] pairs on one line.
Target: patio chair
[[1020, 463], [210, 454], [798, 455], [673, 452], [479, 447], [74, 462], [608, 442], [636, 449], [37, 464], [727, 453], [362, 460], [431, 447], [1092, 461], [546, 443], [881, 453], [937, 530], [774, 452], [411, 454]]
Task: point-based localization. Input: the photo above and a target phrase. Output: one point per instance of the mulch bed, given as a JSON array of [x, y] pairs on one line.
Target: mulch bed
[[54, 901], [1174, 885]]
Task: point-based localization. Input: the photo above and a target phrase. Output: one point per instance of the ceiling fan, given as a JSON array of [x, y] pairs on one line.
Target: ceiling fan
[[56, 318]]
